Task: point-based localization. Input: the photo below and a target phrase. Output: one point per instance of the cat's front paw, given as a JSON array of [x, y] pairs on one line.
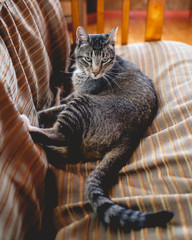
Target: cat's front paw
[[26, 121]]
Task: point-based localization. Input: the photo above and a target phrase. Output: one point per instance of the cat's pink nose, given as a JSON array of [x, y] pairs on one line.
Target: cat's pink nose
[[95, 73]]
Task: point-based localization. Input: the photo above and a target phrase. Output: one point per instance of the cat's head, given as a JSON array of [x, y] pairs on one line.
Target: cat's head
[[95, 53]]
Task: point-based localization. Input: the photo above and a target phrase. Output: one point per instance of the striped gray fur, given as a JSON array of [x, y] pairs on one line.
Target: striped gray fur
[[113, 106]]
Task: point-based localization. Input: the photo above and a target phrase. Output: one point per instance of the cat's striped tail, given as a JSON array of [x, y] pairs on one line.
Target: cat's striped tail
[[108, 211]]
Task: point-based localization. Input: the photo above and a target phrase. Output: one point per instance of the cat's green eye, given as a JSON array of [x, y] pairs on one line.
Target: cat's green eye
[[88, 59], [105, 59]]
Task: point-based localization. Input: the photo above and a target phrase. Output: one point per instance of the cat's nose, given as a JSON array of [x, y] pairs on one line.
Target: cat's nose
[[95, 73]]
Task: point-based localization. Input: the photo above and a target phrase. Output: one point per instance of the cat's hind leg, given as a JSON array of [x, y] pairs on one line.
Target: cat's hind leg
[[108, 211]]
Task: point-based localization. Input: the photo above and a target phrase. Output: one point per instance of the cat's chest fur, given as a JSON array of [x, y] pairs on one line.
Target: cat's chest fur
[[119, 108]]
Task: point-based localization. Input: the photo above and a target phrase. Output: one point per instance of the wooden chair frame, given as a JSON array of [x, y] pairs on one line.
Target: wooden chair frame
[[154, 20]]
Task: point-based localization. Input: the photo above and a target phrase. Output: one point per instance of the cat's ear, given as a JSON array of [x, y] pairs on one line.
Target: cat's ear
[[82, 35], [112, 36]]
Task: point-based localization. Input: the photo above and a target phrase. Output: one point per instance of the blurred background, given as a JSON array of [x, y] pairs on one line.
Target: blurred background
[[177, 18]]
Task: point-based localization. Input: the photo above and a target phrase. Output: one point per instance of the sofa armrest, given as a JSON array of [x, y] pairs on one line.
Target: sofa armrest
[[34, 49]]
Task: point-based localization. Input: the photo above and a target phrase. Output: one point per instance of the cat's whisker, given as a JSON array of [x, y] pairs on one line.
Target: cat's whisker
[[109, 84], [67, 71], [72, 59], [107, 75], [112, 73], [115, 61]]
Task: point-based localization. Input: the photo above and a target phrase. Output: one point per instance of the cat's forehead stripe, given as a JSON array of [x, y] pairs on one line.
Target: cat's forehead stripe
[[98, 42], [97, 53]]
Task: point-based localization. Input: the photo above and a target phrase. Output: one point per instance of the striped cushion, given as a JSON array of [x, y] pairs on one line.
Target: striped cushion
[[34, 50], [159, 174]]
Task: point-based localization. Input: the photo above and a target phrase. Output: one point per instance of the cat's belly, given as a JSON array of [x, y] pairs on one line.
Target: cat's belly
[[92, 155], [98, 144]]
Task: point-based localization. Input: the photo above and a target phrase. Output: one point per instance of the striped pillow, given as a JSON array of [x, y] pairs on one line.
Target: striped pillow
[[159, 174], [34, 50]]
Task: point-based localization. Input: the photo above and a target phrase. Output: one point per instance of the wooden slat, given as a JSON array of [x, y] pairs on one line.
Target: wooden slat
[[154, 22], [100, 16], [125, 22], [75, 17], [83, 13]]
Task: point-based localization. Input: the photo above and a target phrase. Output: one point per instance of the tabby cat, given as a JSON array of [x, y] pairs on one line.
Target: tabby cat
[[113, 106]]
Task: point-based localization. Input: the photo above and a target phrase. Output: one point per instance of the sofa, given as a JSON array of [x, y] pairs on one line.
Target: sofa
[[40, 201]]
